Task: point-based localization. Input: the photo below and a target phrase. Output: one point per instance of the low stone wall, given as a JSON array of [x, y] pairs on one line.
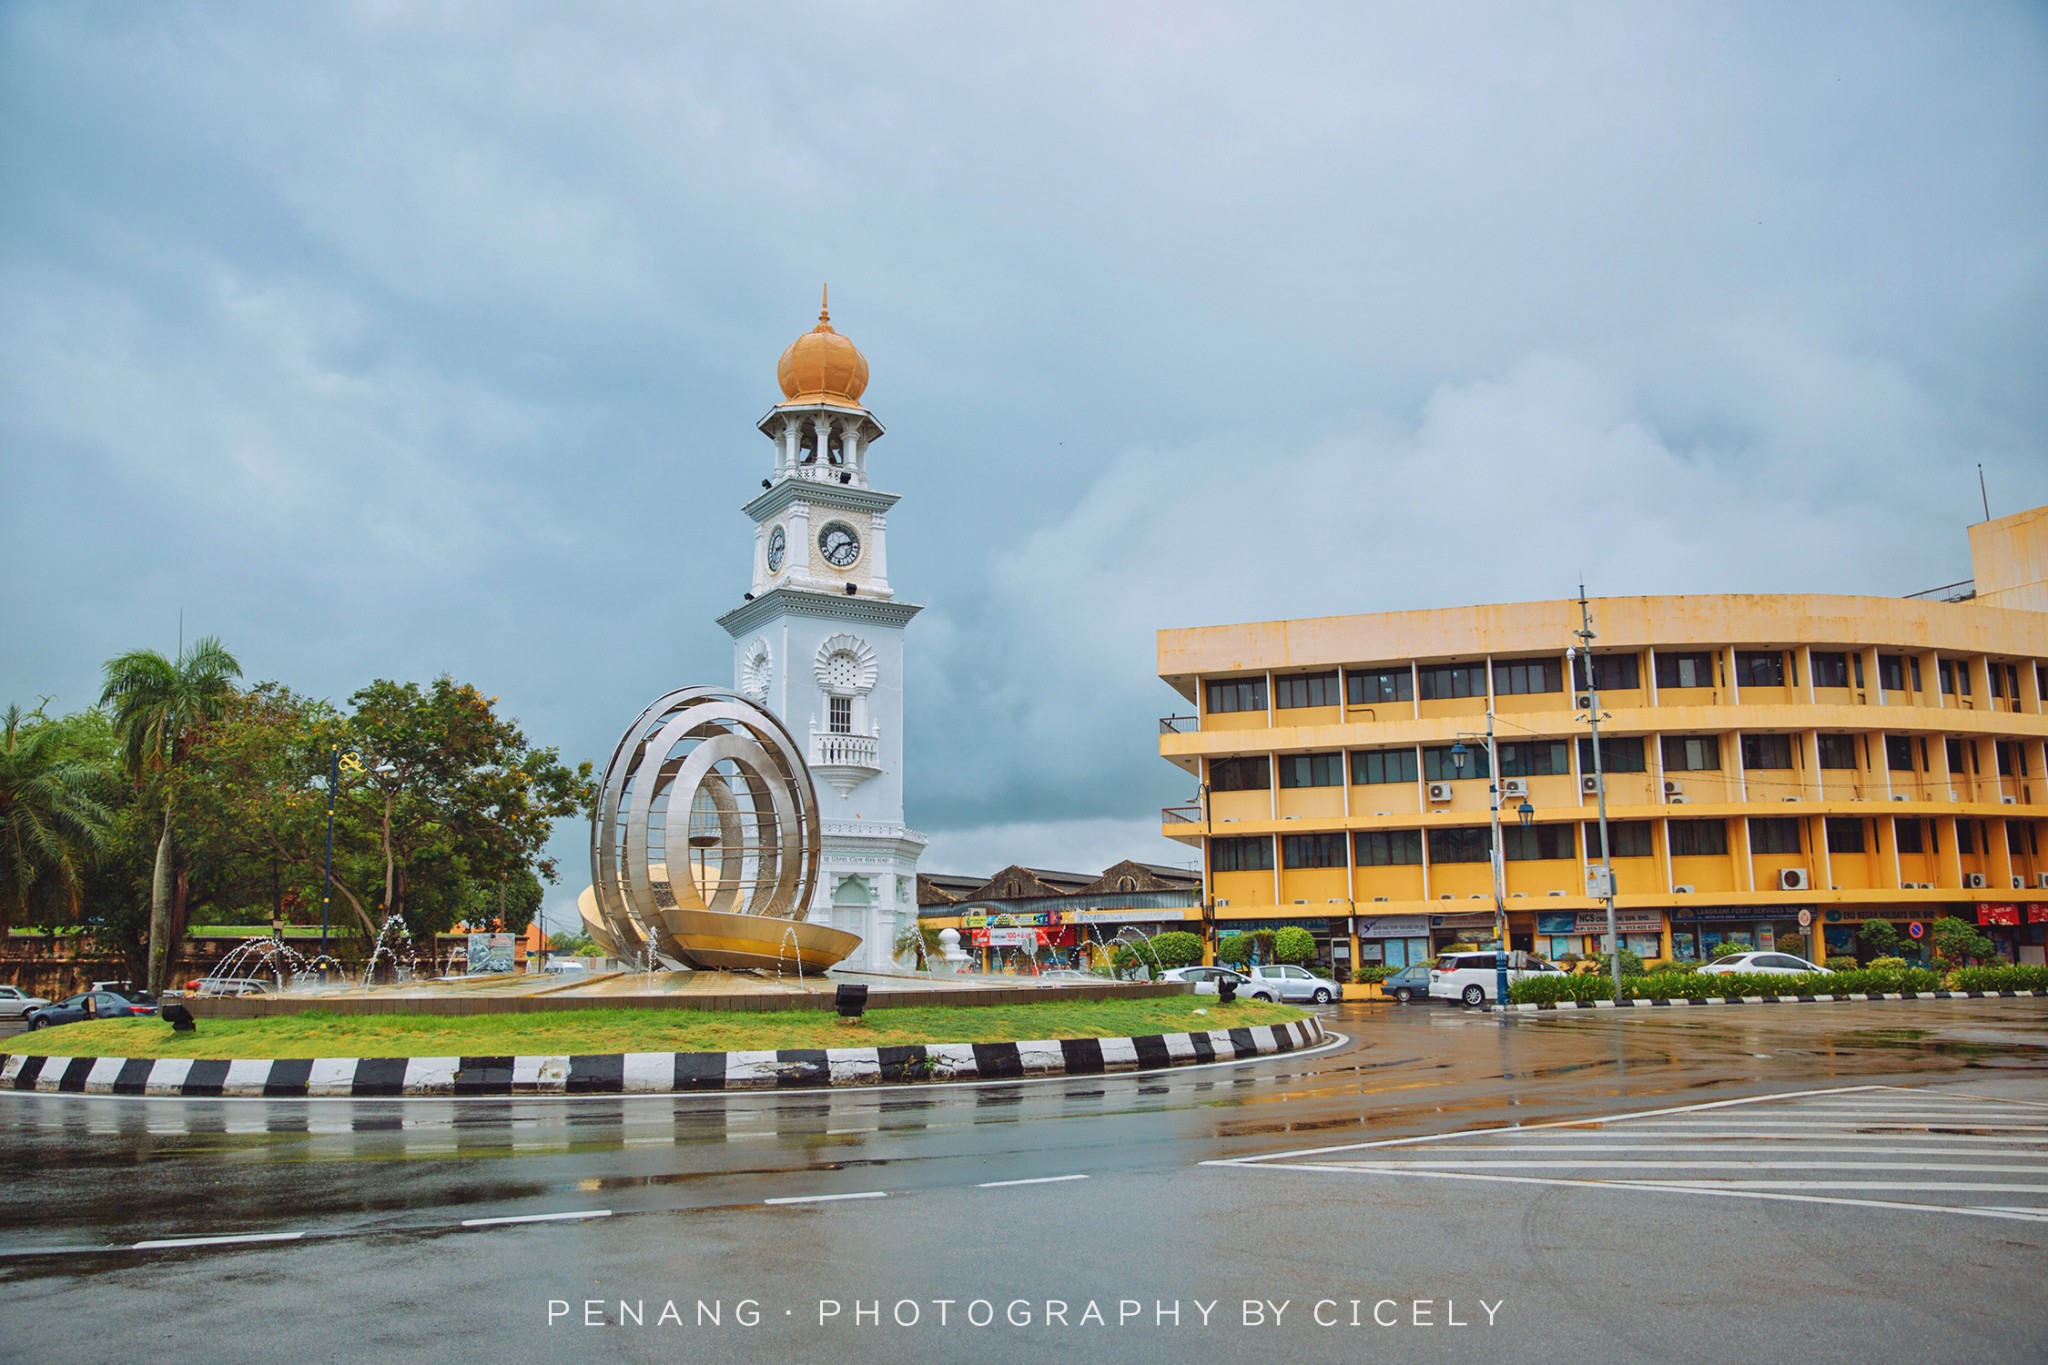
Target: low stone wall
[[644, 1073], [762, 1002]]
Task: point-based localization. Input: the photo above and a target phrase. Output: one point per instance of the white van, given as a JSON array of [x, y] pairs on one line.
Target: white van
[[1475, 977]]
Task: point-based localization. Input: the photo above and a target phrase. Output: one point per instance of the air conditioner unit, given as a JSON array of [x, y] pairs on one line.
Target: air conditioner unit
[[1954, 795], [1791, 798], [1974, 880], [1794, 879], [1514, 786], [1678, 800], [1523, 895], [1897, 797], [1683, 889], [2019, 883], [1439, 791], [1382, 898], [1301, 902], [1477, 897], [1582, 701], [1674, 788], [1553, 893], [1336, 900], [1221, 903], [2008, 800], [1446, 896], [1590, 784], [2041, 880]]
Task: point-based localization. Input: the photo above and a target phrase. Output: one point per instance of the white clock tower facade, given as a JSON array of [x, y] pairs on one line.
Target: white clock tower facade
[[819, 640]]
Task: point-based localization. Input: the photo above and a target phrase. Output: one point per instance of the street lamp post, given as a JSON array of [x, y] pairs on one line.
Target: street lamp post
[[334, 757], [1496, 853], [1601, 881]]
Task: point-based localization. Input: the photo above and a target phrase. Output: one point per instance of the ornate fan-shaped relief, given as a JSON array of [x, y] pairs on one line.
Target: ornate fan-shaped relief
[[757, 670], [845, 665]]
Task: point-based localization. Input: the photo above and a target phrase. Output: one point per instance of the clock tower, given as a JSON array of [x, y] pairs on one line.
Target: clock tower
[[819, 640]]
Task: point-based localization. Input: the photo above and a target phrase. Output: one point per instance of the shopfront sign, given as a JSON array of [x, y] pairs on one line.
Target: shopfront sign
[[1998, 914], [1722, 914], [1476, 920], [2037, 913], [1628, 921], [1009, 919], [1013, 938], [1124, 916], [1393, 926]]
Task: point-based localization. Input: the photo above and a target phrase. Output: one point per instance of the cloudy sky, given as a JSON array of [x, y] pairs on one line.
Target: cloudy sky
[[397, 339]]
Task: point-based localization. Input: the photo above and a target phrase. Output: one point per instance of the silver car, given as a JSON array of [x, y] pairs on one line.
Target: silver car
[[1205, 979], [1766, 964], [1282, 982], [15, 1002]]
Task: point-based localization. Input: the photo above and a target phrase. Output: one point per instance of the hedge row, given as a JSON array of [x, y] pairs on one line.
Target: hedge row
[[1549, 990], [2001, 978]]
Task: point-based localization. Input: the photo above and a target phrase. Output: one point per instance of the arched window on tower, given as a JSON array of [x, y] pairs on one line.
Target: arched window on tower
[[835, 451], [807, 448]]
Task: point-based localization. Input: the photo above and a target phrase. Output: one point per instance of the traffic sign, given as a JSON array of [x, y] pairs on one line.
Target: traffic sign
[[1916, 930], [1805, 918]]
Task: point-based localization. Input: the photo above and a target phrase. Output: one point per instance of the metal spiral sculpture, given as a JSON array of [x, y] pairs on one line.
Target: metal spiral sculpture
[[705, 848]]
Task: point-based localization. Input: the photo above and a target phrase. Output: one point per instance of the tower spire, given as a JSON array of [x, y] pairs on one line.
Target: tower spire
[[825, 303]]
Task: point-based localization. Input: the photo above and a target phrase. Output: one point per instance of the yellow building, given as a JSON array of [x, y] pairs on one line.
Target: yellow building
[[1849, 757]]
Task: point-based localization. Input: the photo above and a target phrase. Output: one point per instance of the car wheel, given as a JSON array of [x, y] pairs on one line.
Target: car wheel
[[1402, 995], [1262, 995], [38, 1023], [1321, 997], [1475, 995]]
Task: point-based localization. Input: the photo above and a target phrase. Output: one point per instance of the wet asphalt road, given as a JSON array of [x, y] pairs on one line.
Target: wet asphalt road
[[1595, 1241]]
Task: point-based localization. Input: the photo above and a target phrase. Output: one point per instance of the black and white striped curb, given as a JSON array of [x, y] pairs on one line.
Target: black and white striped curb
[[644, 1073], [1777, 1000]]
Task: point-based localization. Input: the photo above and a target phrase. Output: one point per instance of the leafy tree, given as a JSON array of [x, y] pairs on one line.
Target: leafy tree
[[53, 820], [1878, 938], [1956, 941], [917, 943], [1293, 944], [1631, 963], [1178, 948], [161, 707], [1233, 949]]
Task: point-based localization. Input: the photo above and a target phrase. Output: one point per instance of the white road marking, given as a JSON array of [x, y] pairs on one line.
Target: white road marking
[[1035, 1180], [165, 1243], [826, 1198], [536, 1218], [1608, 1164]]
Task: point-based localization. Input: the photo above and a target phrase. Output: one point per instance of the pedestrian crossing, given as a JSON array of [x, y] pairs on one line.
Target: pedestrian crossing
[[1888, 1147]]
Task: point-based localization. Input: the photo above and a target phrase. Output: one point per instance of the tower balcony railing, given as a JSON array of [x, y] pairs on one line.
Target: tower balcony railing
[[1181, 815], [848, 751], [1179, 725]]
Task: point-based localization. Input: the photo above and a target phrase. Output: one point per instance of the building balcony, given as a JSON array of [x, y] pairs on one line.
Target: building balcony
[[845, 761]]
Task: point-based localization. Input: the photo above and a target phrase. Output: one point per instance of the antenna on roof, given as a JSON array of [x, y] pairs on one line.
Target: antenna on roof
[[1980, 490]]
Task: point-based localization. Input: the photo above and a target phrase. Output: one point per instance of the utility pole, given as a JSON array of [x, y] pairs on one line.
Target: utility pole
[[1600, 882]]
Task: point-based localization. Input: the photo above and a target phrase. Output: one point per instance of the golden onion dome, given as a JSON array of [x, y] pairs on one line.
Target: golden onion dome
[[822, 366]]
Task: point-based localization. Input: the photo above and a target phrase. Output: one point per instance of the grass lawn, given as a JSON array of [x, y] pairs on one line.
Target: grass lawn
[[659, 1030]]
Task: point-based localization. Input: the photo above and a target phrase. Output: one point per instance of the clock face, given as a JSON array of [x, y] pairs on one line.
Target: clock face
[[778, 545], [839, 543]]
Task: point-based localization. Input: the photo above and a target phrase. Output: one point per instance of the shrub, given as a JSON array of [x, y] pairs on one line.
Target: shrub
[[1233, 949], [1841, 962], [1631, 964], [1878, 938], [1293, 944], [1177, 948], [1956, 941], [1262, 943], [1887, 964], [1793, 943], [2001, 978], [1377, 971]]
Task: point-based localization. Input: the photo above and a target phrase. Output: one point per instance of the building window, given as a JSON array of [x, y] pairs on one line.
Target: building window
[[1698, 838], [1616, 755], [1389, 847], [1459, 846], [1536, 758], [841, 720], [2019, 838], [1240, 774], [1898, 753], [1237, 694], [1845, 835], [1537, 843], [1305, 689], [1241, 855], [2012, 759], [1439, 766], [1312, 850], [1685, 670], [1912, 836], [1830, 668], [1520, 677], [1692, 753], [1311, 770], [1945, 676], [1614, 672], [1766, 751], [1838, 751], [1631, 839], [1445, 682], [1774, 836], [1913, 671], [1891, 672], [2041, 681], [1371, 766], [1378, 685], [1958, 764], [1759, 668], [2005, 680]]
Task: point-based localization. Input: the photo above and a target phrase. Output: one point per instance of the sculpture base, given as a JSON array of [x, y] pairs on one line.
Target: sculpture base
[[717, 939]]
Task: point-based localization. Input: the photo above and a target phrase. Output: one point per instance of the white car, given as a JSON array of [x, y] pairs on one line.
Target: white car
[[564, 966], [1278, 981], [1205, 979], [15, 1002], [1475, 977], [1766, 964]]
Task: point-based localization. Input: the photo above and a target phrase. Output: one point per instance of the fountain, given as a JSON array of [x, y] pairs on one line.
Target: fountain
[[379, 948]]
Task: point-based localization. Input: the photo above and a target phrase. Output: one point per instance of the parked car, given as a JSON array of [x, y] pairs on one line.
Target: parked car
[[16, 1003], [1071, 976], [1474, 978], [87, 1005], [1408, 983], [565, 966], [1278, 981], [1205, 979], [1768, 964], [230, 985]]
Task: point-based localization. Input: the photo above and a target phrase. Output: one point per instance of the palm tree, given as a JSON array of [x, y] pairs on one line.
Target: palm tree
[[159, 707], [51, 824]]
